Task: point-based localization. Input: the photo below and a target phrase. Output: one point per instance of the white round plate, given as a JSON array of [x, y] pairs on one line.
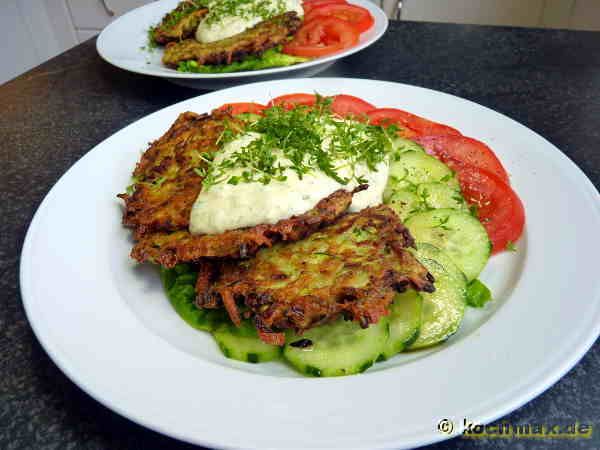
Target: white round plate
[[107, 324], [121, 44]]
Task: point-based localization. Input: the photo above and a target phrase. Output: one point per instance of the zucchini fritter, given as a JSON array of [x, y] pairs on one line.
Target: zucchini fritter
[[166, 181], [181, 23], [169, 249], [254, 41], [167, 184], [352, 269]]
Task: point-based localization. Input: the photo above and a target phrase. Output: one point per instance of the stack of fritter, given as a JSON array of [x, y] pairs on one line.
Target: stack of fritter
[[177, 30], [295, 274]]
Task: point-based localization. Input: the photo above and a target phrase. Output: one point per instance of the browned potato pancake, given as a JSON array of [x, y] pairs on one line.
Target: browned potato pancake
[[254, 41], [351, 268], [166, 181], [169, 249], [181, 23]]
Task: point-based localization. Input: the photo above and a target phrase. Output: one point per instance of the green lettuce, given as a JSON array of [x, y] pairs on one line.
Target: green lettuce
[[271, 58], [478, 294], [179, 284]]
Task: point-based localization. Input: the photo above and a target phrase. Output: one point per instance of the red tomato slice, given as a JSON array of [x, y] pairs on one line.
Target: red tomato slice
[[348, 105], [500, 209], [308, 5], [333, 34], [360, 18], [288, 101], [418, 124], [464, 149], [241, 108]]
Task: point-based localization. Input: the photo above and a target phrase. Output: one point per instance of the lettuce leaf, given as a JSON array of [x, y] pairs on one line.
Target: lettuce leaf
[[179, 284], [271, 58], [478, 294]]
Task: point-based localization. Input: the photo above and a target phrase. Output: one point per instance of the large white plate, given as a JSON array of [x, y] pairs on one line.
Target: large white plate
[[121, 42], [108, 326]]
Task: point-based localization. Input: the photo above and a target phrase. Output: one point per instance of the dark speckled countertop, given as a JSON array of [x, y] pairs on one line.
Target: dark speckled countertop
[[52, 115]]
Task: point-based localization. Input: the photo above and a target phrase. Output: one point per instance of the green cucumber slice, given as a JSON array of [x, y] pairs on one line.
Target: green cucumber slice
[[443, 309], [401, 145], [412, 168], [405, 322], [339, 348], [242, 343], [404, 203], [440, 195], [458, 233], [179, 284]]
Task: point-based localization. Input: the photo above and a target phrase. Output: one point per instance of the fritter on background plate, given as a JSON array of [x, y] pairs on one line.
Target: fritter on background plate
[[254, 41]]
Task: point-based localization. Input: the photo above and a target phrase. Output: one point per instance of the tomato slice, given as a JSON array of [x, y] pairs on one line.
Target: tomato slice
[[464, 149], [308, 5], [360, 18], [241, 108], [348, 105], [289, 101], [500, 209], [333, 35], [416, 123]]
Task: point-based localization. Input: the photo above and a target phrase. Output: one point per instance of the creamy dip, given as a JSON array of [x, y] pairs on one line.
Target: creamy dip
[[226, 206], [227, 18]]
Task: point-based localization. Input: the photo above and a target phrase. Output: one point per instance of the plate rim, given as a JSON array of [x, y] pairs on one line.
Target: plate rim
[[509, 405], [274, 71]]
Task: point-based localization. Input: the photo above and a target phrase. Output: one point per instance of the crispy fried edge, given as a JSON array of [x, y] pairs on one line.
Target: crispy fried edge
[[244, 242]]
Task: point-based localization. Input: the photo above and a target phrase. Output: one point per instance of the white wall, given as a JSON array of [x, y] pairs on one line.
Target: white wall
[[572, 14], [33, 31]]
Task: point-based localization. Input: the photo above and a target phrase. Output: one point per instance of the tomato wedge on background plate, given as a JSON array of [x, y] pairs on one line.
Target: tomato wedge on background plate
[[288, 101], [500, 209], [243, 107], [464, 149], [416, 123], [308, 5], [348, 105], [360, 18], [321, 37]]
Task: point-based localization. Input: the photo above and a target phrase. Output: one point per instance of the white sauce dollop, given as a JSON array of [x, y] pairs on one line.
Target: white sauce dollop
[[210, 30], [226, 207]]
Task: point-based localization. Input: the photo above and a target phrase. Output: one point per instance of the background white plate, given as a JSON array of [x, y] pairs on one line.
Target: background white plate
[[107, 325], [120, 44]]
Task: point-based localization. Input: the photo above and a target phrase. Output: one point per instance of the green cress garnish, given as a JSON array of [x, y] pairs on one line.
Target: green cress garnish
[[243, 9], [302, 139], [189, 6]]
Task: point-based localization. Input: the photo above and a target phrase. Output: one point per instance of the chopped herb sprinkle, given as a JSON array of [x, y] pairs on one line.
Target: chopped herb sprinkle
[[303, 139], [244, 9]]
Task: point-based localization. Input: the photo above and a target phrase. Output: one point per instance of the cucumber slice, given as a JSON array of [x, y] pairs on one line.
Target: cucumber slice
[[443, 309], [401, 145], [339, 348], [242, 343], [425, 250], [179, 284], [412, 168], [404, 203], [405, 321], [248, 117], [458, 233], [440, 195]]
